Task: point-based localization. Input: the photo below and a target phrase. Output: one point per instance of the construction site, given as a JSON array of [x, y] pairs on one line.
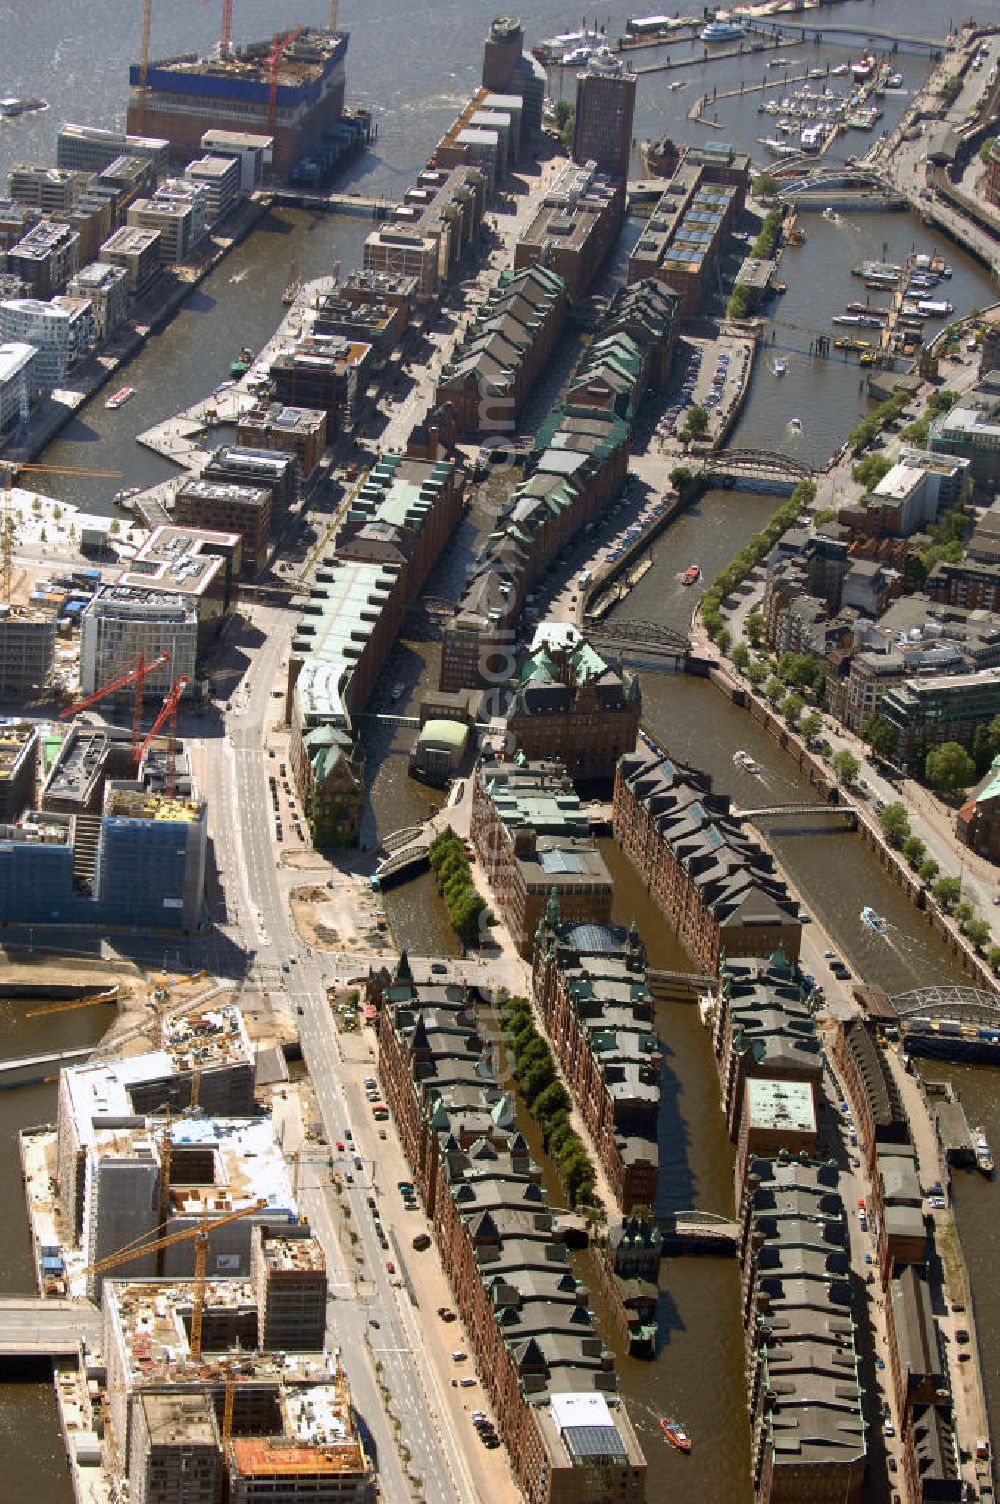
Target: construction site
[[164, 1194], [290, 88]]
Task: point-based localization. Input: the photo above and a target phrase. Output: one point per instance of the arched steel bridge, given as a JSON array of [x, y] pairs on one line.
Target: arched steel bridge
[[837, 177], [647, 633], [757, 462], [974, 1005]]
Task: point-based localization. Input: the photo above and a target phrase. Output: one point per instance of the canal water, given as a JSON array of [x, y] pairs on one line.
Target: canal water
[[77, 55]]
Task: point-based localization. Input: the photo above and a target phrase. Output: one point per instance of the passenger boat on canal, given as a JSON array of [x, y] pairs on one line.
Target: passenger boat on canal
[[984, 1159], [675, 1433], [691, 575], [749, 764]]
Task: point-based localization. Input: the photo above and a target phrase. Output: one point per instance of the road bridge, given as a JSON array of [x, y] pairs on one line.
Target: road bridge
[[698, 1232], [846, 32], [32, 1327], [973, 1005], [367, 206], [756, 470], [54, 1057], [684, 984], [649, 634], [813, 819], [842, 188], [407, 862]]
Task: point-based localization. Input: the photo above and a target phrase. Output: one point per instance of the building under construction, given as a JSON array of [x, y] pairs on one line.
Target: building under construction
[[290, 88], [241, 1419]]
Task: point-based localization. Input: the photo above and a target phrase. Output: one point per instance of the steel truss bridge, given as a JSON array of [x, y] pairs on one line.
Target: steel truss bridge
[[837, 180], [742, 467], [649, 634], [973, 1005], [845, 34]]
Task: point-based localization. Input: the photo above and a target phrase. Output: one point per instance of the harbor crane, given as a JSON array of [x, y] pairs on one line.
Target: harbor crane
[[278, 46], [135, 676], [8, 469], [146, 1243], [168, 713]]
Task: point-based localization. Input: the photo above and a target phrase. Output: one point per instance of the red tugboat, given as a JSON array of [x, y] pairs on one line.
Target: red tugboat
[[691, 575], [675, 1434]]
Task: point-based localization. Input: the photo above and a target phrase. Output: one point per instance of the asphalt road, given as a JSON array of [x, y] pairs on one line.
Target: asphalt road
[[241, 828]]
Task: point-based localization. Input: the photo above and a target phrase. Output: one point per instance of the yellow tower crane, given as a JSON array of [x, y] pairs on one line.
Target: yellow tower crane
[[77, 1002], [148, 1244]]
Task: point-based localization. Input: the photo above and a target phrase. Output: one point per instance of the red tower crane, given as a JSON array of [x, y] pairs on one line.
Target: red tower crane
[[167, 712], [225, 36], [273, 59], [134, 676]]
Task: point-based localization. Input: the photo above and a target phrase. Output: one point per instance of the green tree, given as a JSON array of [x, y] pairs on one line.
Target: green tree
[[986, 743], [696, 423], [993, 958], [811, 725], [914, 850], [560, 1131], [755, 627], [723, 639], [774, 689], [534, 1051], [871, 469], [740, 656], [928, 869], [738, 305], [964, 912], [764, 185], [825, 514], [756, 673], [895, 824], [879, 735], [845, 765], [986, 148], [680, 476], [565, 121], [555, 1099], [537, 1078], [792, 707], [947, 891], [949, 767]]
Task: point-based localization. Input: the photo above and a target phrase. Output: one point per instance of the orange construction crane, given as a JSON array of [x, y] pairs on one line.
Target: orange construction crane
[[168, 712], [9, 469], [135, 676], [226, 34], [278, 46], [147, 21], [147, 1244], [77, 1002]]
